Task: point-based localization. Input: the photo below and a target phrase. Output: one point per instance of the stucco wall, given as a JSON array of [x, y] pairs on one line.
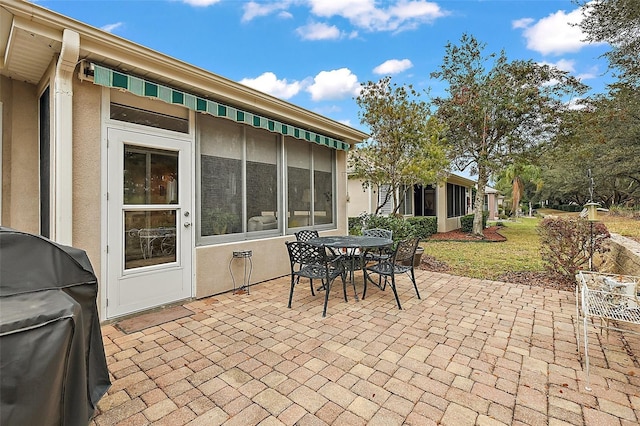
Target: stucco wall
[[20, 157], [360, 200], [86, 170]]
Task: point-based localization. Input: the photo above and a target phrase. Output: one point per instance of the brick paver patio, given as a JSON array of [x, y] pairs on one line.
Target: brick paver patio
[[471, 352]]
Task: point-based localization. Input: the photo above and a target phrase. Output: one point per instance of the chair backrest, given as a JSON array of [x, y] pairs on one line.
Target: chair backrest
[[406, 249], [378, 232], [302, 253], [306, 234]]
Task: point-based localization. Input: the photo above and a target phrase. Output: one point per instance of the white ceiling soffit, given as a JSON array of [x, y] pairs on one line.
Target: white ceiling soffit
[[28, 53]]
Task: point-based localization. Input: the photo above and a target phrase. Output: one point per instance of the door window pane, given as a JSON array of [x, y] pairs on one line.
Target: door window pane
[[149, 238], [150, 176]]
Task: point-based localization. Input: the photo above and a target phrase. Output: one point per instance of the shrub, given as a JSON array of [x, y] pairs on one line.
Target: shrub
[[401, 228], [566, 244], [466, 222], [355, 225], [424, 226]]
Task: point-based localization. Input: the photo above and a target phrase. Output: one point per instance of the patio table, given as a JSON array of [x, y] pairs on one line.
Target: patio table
[[351, 244]]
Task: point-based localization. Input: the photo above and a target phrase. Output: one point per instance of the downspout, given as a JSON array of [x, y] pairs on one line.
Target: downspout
[[62, 201]]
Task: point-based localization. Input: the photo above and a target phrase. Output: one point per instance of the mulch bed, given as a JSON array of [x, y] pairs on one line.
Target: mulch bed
[[491, 234]]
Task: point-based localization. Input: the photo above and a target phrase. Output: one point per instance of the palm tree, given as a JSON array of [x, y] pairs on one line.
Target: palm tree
[[516, 175]]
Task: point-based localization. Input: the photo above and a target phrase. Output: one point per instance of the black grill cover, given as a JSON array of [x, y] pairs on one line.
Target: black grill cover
[[53, 369]]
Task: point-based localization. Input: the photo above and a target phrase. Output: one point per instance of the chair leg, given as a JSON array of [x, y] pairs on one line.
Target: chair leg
[[395, 292], [365, 277], [344, 288], [355, 293], [413, 280], [311, 284], [291, 290], [326, 298]]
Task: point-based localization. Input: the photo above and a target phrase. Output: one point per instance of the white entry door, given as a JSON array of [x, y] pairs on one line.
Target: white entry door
[[149, 221]]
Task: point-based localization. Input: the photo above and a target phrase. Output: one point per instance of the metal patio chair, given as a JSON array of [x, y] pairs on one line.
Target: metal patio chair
[[306, 234], [313, 262], [400, 261]]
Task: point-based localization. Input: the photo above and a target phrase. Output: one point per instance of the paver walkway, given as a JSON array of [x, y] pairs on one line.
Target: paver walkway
[[471, 352]]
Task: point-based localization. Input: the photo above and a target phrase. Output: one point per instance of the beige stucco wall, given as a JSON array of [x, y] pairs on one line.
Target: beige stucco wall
[[360, 199], [20, 157], [86, 170], [270, 258]]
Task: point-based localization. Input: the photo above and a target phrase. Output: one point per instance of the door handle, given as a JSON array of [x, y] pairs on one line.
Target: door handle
[[187, 224]]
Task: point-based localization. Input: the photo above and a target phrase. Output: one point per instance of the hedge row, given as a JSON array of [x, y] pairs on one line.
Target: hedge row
[[420, 226], [567, 207]]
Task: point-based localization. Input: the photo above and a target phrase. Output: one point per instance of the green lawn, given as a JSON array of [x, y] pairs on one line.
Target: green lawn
[[521, 251]]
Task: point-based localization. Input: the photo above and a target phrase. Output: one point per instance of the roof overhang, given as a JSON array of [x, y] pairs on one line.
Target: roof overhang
[[31, 38], [460, 180]]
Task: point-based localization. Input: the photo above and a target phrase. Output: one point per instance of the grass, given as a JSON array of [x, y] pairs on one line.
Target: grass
[[521, 251]]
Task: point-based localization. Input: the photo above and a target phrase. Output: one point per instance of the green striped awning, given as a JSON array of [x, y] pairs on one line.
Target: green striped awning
[[138, 86]]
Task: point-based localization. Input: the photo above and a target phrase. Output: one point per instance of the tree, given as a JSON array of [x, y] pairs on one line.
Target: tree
[[495, 115], [604, 136], [615, 22], [517, 177], [407, 145]]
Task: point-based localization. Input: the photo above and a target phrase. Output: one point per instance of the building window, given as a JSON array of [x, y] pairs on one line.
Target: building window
[[456, 200], [310, 184], [407, 203], [45, 163], [241, 192], [134, 115]]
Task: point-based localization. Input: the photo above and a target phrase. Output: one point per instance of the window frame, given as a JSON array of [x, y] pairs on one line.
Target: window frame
[[282, 188], [456, 200]]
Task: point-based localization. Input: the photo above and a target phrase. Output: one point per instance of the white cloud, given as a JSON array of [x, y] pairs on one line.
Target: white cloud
[[401, 15], [319, 31], [567, 65], [522, 23], [555, 34], [269, 83], [398, 15], [111, 27], [254, 9], [586, 76], [335, 84], [201, 3], [576, 104], [393, 66]]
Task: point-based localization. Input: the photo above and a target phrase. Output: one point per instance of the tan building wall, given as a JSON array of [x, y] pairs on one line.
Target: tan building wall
[[360, 199], [87, 171], [20, 156]]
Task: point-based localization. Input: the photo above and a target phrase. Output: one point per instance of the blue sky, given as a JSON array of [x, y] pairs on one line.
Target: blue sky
[[316, 53]]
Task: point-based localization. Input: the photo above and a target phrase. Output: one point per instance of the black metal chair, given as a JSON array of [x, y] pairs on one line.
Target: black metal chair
[[314, 263], [400, 261], [378, 232], [377, 255], [306, 234]]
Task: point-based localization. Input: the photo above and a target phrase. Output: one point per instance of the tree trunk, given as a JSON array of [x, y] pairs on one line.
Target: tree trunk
[[479, 203]]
